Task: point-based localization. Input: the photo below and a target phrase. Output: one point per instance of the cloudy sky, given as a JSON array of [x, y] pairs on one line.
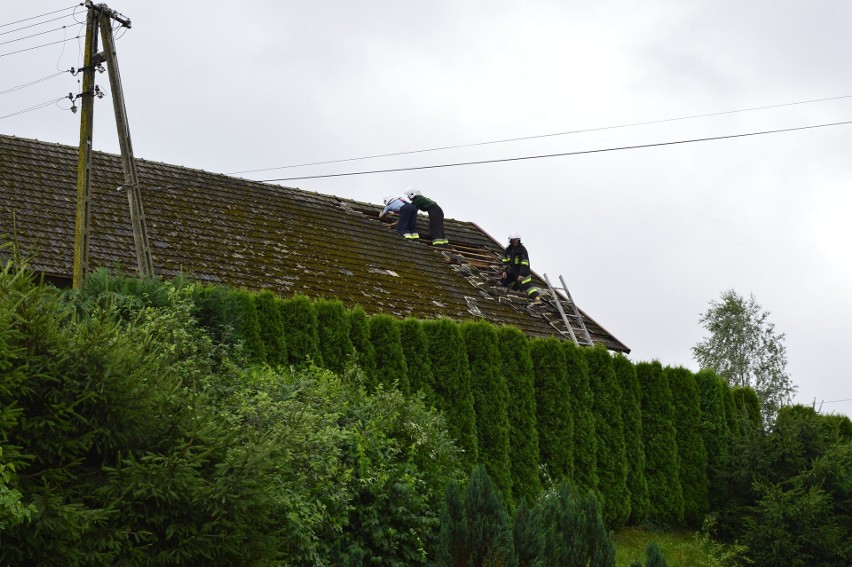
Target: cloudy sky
[[645, 237]]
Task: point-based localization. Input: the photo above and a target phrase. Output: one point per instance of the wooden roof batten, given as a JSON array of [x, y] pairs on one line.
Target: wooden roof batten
[[243, 233]]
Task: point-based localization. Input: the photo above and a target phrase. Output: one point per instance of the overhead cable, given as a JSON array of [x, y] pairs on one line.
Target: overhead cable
[[32, 35], [41, 15], [25, 85], [36, 24], [42, 45], [561, 154], [539, 136], [36, 107]]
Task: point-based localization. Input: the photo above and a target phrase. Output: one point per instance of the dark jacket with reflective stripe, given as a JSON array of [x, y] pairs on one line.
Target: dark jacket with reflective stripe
[[422, 203], [516, 260]]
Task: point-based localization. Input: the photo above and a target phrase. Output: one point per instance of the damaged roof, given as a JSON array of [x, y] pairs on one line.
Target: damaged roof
[[219, 229]]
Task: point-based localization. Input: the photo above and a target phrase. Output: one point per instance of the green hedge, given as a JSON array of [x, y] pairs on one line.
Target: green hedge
[[690, 445], [299, 316], [490, 402], [714, 430], [553, 408], [365, 354], [333, 334], [452, 384], [631, 412], [609, 432], [271, 327], [415, 347], [585, 442], [523, 427], [662, 467], [391, 369]]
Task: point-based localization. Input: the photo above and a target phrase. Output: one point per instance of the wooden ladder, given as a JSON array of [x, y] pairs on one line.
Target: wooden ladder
[[574, 314]]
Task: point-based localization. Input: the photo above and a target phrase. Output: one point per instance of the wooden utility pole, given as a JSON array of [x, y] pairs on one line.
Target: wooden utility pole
[[131, 179], [84, 162], [100, 15]]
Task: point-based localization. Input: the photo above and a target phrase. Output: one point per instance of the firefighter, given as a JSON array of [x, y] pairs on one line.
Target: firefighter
[[406, 225], [516, 269], [436, 216]]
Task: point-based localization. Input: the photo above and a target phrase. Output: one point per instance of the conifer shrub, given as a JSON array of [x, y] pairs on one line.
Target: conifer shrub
[[489, 529], [518, 371], [715, 433], [692, 455], [609, 432], [490, 403], [585, 441], [662, 467], [451, 543], [271, 327], [452, 384], [365, 354], [631, 413], [573, 530], [553, 408], [385, 337], [415, 347], [299, 316], [333, 334]]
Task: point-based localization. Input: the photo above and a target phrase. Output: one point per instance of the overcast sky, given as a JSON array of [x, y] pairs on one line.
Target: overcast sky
[[645, 238]]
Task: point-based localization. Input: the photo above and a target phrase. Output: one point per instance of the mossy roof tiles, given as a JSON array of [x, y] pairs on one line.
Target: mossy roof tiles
[[221, 229]]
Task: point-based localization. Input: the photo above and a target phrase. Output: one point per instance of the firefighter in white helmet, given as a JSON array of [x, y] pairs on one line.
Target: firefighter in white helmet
[[436, 215], [516, 269], [406, 225]]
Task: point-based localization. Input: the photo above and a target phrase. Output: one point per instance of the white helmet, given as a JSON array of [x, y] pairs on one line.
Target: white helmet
[[388, 199], [412, 192], [514, 236]]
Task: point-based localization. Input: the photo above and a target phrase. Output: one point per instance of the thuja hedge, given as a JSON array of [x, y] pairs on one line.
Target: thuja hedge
[[391, 368], [333, 340], [631, 413], [585, 441], [715, 433], [609, 433], [451, 384], [662, 465], [517, 367], [490, 403], [554, 415], [690, 445], [561, 404]]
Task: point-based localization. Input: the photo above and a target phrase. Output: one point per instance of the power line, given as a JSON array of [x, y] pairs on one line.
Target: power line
[[37, 24], [32, 35], [42, 45], [36, 107], [835, 401], [540, 136], [40, 15], [25, 85], [561, 154]]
